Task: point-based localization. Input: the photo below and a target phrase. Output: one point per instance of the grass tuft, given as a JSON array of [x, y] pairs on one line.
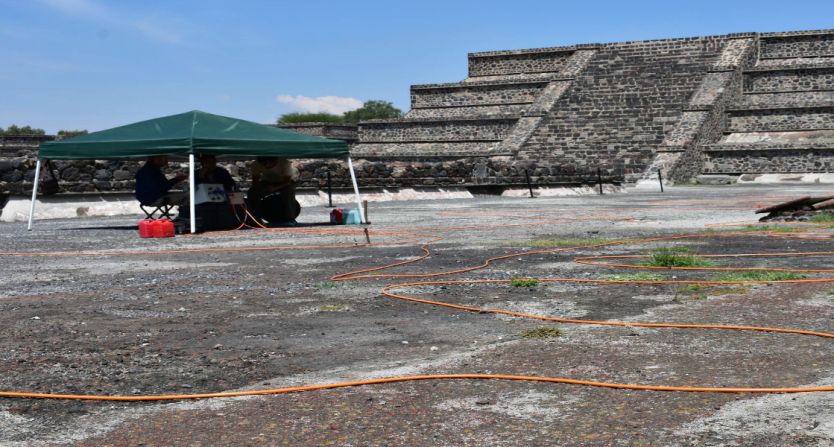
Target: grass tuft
[[754, 228], [760, 275], [524, 282], [675, 257], [541, 332], [642, 276], [332, 308], [823, 217]]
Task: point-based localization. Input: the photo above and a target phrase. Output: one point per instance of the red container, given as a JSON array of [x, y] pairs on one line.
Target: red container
[[167, 228], [337, 216], [146, 228], [162, 228]]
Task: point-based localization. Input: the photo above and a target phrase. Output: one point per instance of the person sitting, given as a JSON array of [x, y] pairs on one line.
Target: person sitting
[[272, 194], [209, 172], [153, 187], [214, 215]]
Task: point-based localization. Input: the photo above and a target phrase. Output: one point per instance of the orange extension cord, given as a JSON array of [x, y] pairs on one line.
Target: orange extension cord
[[432, 235]]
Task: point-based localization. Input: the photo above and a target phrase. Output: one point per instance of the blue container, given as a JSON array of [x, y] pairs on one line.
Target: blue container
[[352, 217]]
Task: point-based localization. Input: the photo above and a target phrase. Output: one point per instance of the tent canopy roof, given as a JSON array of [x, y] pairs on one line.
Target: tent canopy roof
[[193, 132]]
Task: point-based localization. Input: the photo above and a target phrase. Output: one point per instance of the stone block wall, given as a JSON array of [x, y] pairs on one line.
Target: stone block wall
[[456, 95], [618, 111], [793, 45], [774, 81], [785, 160], [412, 131], [544, 60], [781, 119]]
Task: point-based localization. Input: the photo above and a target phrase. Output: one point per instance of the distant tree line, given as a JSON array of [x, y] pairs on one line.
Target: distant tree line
[[16, 131], [371, 110]]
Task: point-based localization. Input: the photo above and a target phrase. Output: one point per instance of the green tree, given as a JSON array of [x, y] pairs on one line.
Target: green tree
[[373, 110], [63, 133], [15, 131], [321, 117]]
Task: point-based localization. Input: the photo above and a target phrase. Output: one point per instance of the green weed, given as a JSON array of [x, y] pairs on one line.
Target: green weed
[[760, 275], [326, 285], [823, 217], [675, 257], [642, 276], [754, 228], [524, 282], [541, 332], [332, 308]]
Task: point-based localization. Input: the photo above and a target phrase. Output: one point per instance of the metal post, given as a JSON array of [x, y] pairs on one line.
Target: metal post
[[660, 180], [34, 193], [599, 180], [192, 207], [356, 191], [329, 191], [529, 185]]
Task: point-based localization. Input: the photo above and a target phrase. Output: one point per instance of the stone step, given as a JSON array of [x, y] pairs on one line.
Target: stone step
[[497, 111], [541, 60], [796, 45], [405, 150], [792, 79], [764, 100], [770, 147], [481, 129], [475, 94], [768, 158], [774, 118]]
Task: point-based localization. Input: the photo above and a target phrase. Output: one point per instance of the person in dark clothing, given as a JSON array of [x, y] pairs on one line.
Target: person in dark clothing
[[272, 194], [209, 172], [152, 186]]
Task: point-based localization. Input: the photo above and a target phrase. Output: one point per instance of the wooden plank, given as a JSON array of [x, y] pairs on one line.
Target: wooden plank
[[789, 205], [828, 204]]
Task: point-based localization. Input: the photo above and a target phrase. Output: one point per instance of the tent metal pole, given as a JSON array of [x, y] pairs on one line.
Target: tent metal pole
[[34, 193], [356, 191], [192, 207]]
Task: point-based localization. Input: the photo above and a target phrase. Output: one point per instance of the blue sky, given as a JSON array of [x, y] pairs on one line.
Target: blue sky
[[95, 64]]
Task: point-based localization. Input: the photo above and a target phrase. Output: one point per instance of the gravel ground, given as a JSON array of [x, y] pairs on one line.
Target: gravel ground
[[93, 309]]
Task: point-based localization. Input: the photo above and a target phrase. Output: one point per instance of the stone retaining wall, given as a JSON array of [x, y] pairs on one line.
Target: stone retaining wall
[[785, 160], [781, 119], [470, 95], [789, 80], [521, 61], [797, 45], [445, 130]]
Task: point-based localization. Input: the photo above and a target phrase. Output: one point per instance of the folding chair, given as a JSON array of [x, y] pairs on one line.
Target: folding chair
[[163, 206]]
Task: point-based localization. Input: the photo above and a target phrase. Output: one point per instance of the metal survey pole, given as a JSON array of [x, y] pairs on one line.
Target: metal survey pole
[[192, 207], [356, 191], [34, 193], [529, 185]]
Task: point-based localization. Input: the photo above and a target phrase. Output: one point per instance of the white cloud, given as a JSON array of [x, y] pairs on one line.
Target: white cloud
[[98, 13], [330, 104]]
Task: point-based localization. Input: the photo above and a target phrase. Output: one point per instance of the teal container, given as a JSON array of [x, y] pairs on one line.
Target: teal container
[[352, 217]]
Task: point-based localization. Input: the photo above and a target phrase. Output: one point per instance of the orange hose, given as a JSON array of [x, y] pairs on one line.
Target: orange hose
[[364, 274]]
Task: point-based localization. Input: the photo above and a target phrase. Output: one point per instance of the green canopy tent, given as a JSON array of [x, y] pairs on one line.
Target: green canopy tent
[[190, 133]]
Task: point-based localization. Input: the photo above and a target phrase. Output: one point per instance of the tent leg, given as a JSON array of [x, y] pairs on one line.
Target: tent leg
[[192, 207], [34, 193], [356, 191]]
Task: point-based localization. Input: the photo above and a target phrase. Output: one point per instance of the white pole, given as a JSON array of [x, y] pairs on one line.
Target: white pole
[[34, 193], [356, 191], [192, 208]]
